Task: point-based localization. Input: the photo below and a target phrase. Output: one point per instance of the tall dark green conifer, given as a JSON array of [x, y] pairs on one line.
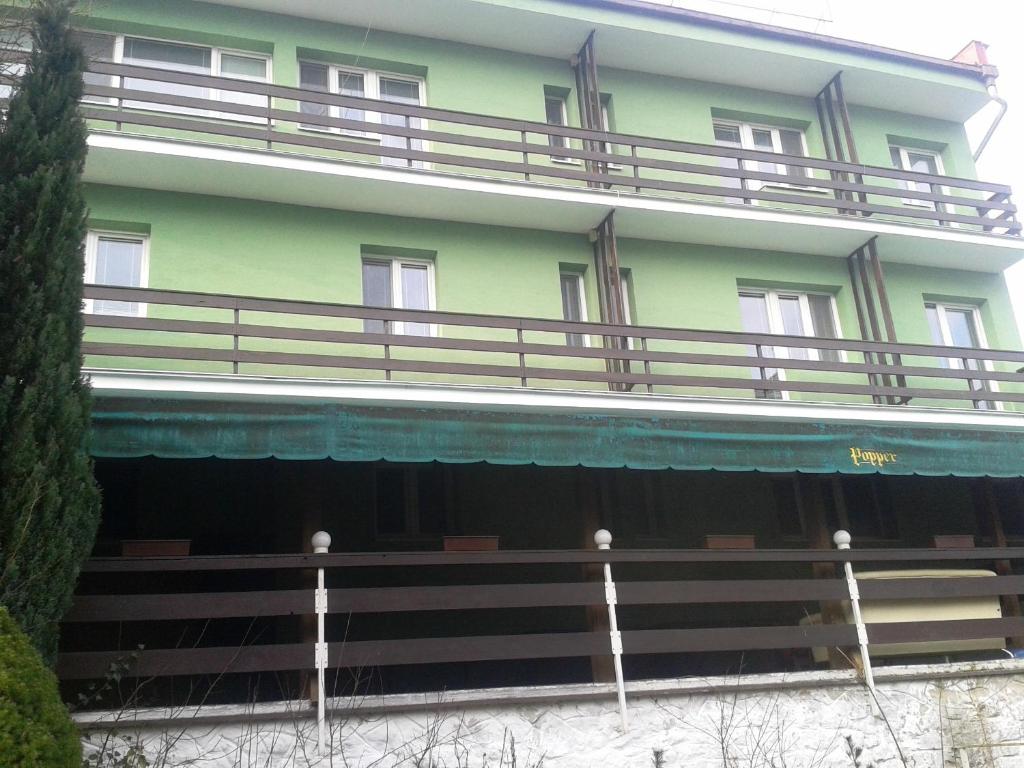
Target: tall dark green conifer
[[49, 504]]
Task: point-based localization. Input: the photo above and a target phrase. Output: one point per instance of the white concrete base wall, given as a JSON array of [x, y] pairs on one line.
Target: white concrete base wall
[[949, 716]]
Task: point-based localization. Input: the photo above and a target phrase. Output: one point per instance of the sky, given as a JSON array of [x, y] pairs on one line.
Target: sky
[[936, 28]]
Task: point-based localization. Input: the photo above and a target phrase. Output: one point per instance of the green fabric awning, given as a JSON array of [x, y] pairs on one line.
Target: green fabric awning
[[169, 429]]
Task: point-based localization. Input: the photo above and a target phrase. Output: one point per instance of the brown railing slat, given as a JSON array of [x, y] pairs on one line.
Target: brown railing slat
[[737, 638], [538, 557], [926, 588], [950, 629], [464, 597], [729, 591], [87, 665], [203, 605]]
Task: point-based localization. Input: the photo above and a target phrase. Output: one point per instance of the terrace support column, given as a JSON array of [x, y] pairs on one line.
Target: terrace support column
[[588, 94], [993, 518], [874, 314], [609, 293], [589, 495], [809, 497], [837, 135]]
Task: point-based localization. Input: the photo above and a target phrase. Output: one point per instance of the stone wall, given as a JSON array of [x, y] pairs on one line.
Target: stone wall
[[942, 716]]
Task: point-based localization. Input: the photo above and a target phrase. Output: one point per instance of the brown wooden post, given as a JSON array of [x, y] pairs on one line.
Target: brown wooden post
[[812, 508], [883, 304], [609, 290], [588, 96], [994, 519], [589, 498]]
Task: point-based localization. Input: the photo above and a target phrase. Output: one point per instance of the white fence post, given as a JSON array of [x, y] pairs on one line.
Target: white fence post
[[321, 544], [603, 539], [842, 540]]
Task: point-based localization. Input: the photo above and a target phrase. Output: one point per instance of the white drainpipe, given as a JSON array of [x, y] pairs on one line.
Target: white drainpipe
[[994, 95]]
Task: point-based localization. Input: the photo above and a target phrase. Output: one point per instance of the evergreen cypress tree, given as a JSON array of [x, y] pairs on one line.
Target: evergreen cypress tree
[[49, 503]]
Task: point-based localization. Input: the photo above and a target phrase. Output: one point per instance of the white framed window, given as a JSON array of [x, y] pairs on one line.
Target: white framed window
[[113, 258], [176, 56], [625, 283], [368, 84], [402, 283], [574, 305], [556, 112], [17, 42], [959, 325], [606, 124], [793, 313], [763, 138], [918, 161]]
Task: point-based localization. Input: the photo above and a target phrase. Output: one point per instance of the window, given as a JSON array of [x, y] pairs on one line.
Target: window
[[400, 283], [364, 84], [960, 326], [410, 500], [574, 307], [11, 40], [918, 161], [115, 259], [177, 57], [606, 123], [786, 141], [556, 113], [794, 314]]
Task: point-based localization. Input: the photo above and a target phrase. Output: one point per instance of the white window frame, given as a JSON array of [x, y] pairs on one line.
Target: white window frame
[[905, 166], [215, 65], [371, 90], [746, 131], [608, 148], [956, 363], [398, 327], [775, 324], [584, 316], [563, 141], [92, 240]]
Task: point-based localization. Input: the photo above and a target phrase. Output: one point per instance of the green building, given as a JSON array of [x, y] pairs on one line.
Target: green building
[[495, 274]]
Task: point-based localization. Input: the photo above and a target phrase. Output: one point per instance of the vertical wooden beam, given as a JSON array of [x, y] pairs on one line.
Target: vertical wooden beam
[[609, 285], [588, 96], [851, 145], [869, 357], [812, 510], [993, 516], [869, 301], [883, 304], [588, 495]]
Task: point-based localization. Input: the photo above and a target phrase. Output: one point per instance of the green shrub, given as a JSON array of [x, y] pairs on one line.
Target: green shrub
[[35, 729]]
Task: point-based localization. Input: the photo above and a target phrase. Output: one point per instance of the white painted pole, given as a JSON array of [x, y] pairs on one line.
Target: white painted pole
[[603, 539], [842, 540], [321, 545]]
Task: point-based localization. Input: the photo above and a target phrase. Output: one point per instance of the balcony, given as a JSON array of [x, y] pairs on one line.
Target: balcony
[[216, 333], [162, 129], [232, 627]]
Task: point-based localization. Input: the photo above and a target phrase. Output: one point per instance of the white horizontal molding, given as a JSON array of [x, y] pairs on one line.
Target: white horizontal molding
[[269, 389]]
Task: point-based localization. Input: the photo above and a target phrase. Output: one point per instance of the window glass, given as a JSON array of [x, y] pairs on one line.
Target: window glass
[[754, 318], [763, 143], [314, 77], [400, 92], [97, 47], [922, 163], [934, 325], [554, 112], [117, 262], [415, 295], [376, 291], [792, 143], [961, 328], [170, 56], [824, 324], [236, 65], [352, 84], [793, 323], [572, 305], [728, 136]]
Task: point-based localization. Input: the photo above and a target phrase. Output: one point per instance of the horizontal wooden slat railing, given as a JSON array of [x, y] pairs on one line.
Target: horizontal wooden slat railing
[[95, 605], [264, 116], [465, 347]]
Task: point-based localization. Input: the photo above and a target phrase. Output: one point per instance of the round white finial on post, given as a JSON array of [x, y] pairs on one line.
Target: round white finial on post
[[842, 539], [603, 539], [321, 542]]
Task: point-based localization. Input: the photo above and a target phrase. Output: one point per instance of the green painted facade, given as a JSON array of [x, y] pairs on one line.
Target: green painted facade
[[275, 250]]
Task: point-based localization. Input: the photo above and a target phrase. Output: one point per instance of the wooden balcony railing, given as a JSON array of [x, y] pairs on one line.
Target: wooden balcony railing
[[184, 105], [260, 335], [268, 588]]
